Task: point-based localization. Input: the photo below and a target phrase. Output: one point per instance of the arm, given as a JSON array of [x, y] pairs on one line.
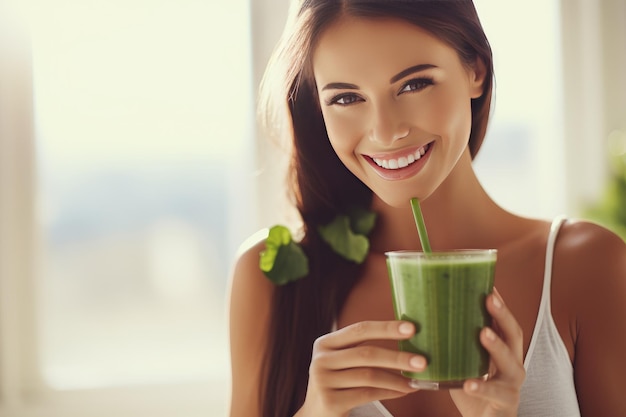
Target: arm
[[337, 380], [595, 260], [249, 307], [345, 373]]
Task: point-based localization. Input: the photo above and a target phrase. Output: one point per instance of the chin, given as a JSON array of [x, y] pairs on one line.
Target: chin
[[399, 201], [398, 194]]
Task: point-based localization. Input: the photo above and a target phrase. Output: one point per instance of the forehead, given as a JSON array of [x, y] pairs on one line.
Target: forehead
[[364, 46]]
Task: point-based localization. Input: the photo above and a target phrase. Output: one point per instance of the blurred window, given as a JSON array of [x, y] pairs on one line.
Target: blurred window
[[143, 123], [522, 158]]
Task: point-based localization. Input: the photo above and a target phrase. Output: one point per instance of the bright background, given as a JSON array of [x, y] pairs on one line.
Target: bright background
[[130, 181]]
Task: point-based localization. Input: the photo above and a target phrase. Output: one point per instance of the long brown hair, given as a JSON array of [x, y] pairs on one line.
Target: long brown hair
[[321, 186]]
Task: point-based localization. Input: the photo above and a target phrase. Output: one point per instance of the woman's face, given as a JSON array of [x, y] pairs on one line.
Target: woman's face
[[396, 102]]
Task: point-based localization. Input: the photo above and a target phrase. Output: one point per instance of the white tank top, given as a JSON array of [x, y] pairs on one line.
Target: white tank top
[[549, 386]]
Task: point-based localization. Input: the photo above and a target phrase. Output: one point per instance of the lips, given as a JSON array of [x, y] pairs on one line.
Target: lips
[[400, 165], [402, 161]]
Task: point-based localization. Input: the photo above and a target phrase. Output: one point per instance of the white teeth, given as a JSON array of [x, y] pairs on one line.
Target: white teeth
[[403, 161]]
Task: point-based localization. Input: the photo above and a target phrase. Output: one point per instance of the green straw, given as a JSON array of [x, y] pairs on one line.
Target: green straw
[[421, 227]]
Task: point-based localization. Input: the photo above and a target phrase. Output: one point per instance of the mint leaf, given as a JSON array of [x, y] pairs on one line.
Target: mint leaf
[[362, 221], [283, 260], [343, 241]]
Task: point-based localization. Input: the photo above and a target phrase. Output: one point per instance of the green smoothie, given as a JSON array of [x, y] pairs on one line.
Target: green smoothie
[[443, 294]]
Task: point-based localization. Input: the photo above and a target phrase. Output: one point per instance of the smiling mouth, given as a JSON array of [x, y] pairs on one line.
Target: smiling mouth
[[402, 161]]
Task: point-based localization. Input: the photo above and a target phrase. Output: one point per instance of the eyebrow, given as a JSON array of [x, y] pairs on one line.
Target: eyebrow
[[409, 71], [340, 86], [395, 78]]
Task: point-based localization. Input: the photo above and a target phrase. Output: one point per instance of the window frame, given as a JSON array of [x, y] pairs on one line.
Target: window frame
[[17, 212], [593, 39]]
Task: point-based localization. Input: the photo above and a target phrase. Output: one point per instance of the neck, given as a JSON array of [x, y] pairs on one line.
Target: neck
[[458, 215]]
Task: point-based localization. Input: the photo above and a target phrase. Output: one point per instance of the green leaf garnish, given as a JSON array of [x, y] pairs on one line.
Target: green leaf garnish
[[362, 221], [283, 260], [339, 235]]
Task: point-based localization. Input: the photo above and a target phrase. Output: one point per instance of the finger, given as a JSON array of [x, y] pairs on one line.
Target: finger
[[506, 323], [365, 331], [508, 365], [369, 377], [370, 356]]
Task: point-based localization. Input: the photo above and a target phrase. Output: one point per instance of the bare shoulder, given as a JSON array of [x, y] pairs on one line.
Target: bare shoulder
[[590, 266], [250, 297], [591, 260], [589, 247], [246, 274], [250, 291]]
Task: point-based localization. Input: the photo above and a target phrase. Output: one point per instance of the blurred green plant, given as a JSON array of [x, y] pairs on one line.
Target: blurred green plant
[[610, 210]]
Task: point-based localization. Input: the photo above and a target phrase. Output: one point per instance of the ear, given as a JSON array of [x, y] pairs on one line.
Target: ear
[[477, 74]]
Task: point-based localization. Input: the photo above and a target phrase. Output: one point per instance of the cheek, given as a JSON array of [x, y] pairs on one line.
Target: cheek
[[450, 115], [344, 133]]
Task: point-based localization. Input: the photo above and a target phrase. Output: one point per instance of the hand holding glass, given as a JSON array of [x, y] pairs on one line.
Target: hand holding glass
[[443, 294]]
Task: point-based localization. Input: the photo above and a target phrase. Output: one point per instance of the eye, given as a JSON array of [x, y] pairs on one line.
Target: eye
[[344, 99], [416, 84]]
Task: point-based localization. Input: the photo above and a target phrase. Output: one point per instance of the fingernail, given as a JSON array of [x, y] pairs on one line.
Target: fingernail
[[472, 386], [497, 303], [417, 362], [489, 334], [406, 328], [497, 299]]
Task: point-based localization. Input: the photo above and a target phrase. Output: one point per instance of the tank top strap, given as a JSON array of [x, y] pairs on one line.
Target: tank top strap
[[545, 309], [547, 274]]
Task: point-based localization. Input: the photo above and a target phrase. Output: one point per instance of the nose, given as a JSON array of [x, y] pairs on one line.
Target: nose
[[387, 124]]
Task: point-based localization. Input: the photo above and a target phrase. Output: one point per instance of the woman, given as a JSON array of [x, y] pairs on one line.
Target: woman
[[388, 100]]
